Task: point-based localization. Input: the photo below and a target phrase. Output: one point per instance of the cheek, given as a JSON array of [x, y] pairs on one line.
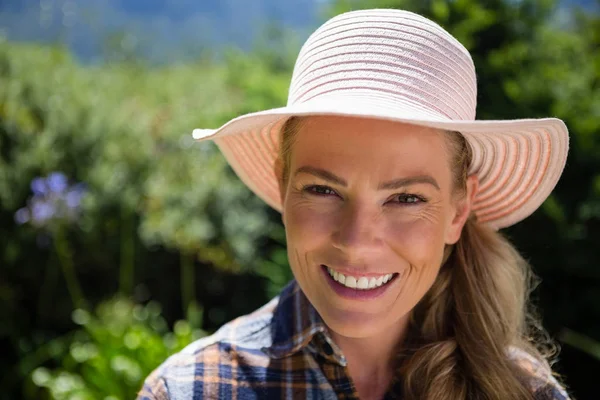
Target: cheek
[[307, 229], [420, 246], [419, 242], [306, 223]]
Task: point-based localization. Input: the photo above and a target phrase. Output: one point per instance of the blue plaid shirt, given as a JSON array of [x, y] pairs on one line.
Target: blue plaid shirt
[[283, 350]]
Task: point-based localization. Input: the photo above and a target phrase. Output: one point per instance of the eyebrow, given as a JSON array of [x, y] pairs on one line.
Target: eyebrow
[[390, 185]]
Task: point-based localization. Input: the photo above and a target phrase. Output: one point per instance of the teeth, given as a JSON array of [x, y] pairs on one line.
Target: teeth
[[350, 282], [361, 283], [372, 283]]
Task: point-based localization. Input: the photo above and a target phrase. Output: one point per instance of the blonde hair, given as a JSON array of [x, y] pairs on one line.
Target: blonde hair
[[477, 310]]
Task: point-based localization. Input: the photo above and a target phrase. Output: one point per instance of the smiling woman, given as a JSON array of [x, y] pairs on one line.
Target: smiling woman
[[391, 195], [367, 247]]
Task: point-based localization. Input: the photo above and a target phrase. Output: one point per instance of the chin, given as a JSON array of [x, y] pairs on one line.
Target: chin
[[354, 324]]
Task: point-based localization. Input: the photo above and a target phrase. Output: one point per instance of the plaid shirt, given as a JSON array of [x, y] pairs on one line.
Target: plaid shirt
[[281, 351]]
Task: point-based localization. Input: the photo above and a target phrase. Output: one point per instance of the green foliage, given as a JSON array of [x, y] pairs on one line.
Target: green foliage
[[112, 353], [126, 134], [162, 217]]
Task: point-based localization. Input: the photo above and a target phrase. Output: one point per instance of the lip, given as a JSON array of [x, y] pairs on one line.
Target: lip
[[353, 294]]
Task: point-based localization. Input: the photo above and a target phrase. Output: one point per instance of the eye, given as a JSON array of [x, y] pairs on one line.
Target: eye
[[319, 190], [407, 198]]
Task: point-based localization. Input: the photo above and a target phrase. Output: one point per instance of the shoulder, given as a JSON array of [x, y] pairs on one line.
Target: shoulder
[[210, 364], [542, 380]]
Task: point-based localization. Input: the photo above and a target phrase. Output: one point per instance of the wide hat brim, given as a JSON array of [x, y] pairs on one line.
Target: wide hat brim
[[518, 162]]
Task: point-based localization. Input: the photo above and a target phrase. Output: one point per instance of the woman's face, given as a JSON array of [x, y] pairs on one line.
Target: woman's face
[[368, 208]]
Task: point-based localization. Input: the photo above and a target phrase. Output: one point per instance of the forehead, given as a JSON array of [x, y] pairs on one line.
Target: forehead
[[374, 145]]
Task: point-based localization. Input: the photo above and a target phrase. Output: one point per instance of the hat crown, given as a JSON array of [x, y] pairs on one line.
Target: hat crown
[[393, 57]]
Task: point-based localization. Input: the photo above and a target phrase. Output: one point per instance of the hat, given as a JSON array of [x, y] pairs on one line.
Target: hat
[[400, 66]]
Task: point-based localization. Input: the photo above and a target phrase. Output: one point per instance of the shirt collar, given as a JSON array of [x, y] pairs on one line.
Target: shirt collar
[[296, 325]]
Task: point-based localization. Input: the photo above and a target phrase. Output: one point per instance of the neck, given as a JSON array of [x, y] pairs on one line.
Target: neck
[[372, 360]]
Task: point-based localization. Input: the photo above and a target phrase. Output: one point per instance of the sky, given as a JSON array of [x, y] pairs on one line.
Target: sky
[[161, 30], [157, 28]]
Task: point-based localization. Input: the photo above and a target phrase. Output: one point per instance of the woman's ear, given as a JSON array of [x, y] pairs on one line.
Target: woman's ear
[[462, 210]]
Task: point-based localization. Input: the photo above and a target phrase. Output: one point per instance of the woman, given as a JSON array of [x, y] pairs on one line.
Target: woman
[[391, 195]]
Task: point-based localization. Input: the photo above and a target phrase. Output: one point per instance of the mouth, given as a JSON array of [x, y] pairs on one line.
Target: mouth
[[358, 287]]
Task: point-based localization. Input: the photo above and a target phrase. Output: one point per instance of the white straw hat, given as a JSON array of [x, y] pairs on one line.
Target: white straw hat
[[397, 65]]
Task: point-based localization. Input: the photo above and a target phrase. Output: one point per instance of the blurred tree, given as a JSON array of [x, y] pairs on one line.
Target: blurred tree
[[155, 201]]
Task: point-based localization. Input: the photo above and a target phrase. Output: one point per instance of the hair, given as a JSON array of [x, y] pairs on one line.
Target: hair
[[477, 310]]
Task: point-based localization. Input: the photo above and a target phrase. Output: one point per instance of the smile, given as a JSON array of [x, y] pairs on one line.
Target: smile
[[360, 282]]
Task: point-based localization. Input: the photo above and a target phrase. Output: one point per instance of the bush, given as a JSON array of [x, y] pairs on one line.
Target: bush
[[157, 216], [111, 354]]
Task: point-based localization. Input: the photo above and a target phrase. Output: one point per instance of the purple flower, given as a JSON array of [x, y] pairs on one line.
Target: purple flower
[[53, 201], [22, 216], [74, 195], [38, 186], [57, 182], [41, 212]]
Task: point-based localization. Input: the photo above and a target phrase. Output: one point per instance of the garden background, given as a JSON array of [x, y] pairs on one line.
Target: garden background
[[122, 240]]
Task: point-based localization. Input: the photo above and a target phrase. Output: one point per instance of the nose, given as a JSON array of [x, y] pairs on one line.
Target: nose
[[357, 229]]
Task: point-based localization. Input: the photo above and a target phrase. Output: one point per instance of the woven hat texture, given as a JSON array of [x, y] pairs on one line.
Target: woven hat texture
[[400, 66]]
